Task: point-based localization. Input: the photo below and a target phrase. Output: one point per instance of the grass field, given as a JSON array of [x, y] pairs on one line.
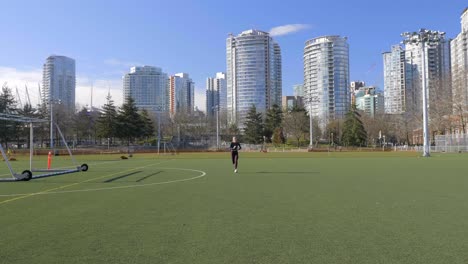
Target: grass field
[[279, 208]]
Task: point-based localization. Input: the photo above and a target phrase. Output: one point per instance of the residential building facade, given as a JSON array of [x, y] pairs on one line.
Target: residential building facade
[[403, 73], [290, 102], [147, 85], [369, 101], [437, 72], [181, 94], [394, 81], [216, 94], [459, 60], [298, 90], [326, 78], [253, 74], [59, 82]]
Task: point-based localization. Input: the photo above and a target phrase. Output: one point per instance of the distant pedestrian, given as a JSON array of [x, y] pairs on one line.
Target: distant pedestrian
[[235, 147]]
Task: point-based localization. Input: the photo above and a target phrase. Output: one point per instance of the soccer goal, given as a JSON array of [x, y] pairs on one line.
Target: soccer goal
[[36, 172]]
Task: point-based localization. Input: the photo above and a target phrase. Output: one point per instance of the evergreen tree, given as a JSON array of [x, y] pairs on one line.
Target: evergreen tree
[[129, 124], [83, 124], [148, 126], [253, 131], [107, 122], [354, 133], [231, 131], [7, 106], [278, 136], [273, 120]]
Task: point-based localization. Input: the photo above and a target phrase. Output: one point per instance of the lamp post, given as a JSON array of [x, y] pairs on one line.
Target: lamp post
[[424, 38], [51, 102], [310, 100], [217, 125]]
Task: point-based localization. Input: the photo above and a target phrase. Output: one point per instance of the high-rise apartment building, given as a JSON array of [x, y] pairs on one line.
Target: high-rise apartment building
[[394, 81], [298, 90], [459, 55], [59, 81], [368, 100], [326, 78], [355, 86], [253, 74], [216, 94], [437, 72], [403, 71], [181, 94], [147, 85]]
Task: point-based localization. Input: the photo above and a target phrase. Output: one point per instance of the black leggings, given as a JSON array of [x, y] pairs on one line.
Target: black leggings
[[235, 158]]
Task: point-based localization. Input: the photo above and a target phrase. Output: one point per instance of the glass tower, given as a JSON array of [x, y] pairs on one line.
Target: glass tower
[[147, 85], [459, 60], [59, 81], [181, 94], [253, 74], [326, 78], [216, 94]]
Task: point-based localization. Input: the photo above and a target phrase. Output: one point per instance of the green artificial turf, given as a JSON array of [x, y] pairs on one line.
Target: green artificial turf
[[279, 208]]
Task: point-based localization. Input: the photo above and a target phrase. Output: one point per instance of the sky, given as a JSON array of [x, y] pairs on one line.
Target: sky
[[107, 37]]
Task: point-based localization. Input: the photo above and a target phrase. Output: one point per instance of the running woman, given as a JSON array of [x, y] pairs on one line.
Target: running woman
[[235, 147]]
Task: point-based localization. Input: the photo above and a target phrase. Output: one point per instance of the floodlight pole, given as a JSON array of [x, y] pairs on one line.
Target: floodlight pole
[[217, 126], [159, 129], [424, 37], [426, 146]]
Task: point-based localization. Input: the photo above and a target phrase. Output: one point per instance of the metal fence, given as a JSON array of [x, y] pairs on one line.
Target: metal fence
[[451, 143]]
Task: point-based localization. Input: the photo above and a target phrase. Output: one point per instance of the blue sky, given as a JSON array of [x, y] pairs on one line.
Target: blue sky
[[107, 37]]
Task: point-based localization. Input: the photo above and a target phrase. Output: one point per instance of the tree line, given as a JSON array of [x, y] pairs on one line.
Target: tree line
[[125, 124], [279, 125]]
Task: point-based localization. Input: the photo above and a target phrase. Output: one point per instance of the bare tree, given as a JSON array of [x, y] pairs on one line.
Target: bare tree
[[296, 124]]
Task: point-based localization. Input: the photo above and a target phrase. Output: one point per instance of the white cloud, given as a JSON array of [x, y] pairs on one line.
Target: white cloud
[[200, 99], [120, 63], [287, 29], [19, 78]]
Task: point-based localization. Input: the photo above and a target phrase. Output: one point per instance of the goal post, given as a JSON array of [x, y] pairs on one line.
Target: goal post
[[27, 175]]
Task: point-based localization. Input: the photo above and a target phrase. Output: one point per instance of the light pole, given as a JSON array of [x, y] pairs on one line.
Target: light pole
[[310, 100], [217, 125], [424, 37], [51, 102]]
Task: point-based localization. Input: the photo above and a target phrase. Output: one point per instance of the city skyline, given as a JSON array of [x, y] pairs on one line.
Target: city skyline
[[101, 61]]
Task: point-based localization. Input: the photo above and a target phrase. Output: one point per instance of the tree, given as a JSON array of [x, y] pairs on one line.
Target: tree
[[296, 123], [278, 136], [253, 126], [354, 133], [7, 106], [148, 126], [231, 131], [107, 122], [316, 130], [129, 124], [83, 124], [273, 120]]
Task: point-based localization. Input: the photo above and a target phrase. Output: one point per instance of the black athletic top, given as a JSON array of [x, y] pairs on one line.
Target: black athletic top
[[235, 146]]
